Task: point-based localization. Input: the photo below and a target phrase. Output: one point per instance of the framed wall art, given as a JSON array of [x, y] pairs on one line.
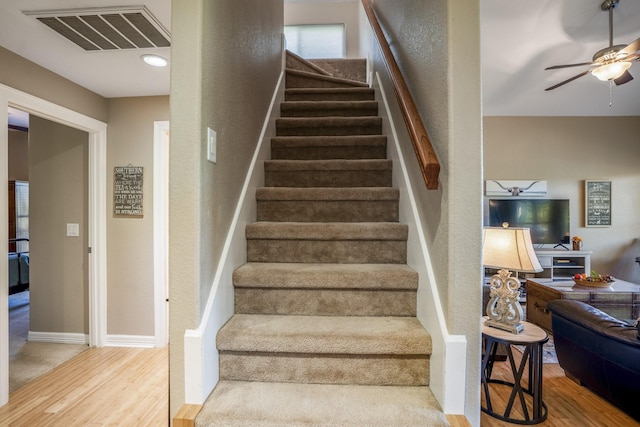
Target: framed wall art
[[597, 199], [127, 191]]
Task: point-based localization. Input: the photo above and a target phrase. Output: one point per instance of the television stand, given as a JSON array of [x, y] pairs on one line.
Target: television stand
[[562, 245], [558, 264]]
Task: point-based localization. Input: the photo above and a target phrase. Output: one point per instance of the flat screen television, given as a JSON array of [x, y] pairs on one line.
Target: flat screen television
[[548, 219]]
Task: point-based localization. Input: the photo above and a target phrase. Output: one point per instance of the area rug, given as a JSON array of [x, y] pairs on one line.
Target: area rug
[[29, 360], [548, 351]]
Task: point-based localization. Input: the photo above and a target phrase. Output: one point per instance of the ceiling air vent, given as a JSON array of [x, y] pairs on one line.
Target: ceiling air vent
[[95, 29]]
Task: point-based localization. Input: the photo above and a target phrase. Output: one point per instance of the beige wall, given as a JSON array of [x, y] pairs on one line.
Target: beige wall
[[24, 75], [322, 12], [18, 155], [130, 289], [58, 178], [566, 151], [439, 58], [226, 59]]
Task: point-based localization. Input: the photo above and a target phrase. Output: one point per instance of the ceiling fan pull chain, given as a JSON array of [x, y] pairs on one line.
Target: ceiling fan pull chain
[[610, 93]]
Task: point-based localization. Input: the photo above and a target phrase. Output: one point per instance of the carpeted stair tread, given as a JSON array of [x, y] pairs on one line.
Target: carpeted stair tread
[[327, 165], [330, 94], [378, 231], [329, 108], [327, 194], [324, 335], [329, 126], [258, 404], [299, 78], [296, 62], [338, 204], [347, 68], [326, 276], [351, 147]]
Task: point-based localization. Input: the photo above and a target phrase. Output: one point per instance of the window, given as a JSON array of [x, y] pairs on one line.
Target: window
[[316, 41]]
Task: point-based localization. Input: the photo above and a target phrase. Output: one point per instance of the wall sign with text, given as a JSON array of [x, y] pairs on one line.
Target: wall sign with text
[[127, 190], [597, 198]]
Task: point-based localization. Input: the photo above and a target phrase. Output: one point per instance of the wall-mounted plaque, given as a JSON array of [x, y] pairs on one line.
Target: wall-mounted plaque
[[597, 199], [127, 190]]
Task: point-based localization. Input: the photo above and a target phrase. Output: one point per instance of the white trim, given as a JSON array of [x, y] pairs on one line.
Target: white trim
[[135, 341], [4, 267], [58, 337], [449, 351], [97, 213], [201, 370], [160, 230]]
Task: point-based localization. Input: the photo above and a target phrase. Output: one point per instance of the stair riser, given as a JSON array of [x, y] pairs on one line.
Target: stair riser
[[336, 251], [325, 302], [296, 81], [327, 130], [325, 369], [328, 126], [328, 211], [287, 111], [329, 152], [299, 95], [323, 178]]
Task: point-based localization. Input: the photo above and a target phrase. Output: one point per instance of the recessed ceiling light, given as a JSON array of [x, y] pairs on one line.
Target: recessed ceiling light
[[155, 60]]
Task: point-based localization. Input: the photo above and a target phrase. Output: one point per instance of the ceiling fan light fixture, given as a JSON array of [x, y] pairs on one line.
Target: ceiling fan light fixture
[[155, 60], [611, 71]]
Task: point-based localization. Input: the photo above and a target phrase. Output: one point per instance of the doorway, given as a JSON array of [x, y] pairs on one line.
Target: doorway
[[96, 228]]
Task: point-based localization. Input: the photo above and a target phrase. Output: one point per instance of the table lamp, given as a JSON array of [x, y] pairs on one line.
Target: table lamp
[[507, 248]]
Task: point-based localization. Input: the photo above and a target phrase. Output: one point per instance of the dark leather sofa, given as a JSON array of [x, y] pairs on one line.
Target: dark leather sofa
[[599, 351]]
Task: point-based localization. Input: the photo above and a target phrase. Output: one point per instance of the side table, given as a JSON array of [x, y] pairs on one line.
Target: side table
[[532, 338]]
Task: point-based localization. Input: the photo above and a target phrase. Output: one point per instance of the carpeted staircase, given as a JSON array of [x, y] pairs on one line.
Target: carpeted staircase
[[325, 332]]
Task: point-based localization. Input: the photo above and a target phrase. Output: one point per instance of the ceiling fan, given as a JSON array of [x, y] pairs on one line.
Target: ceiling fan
[[610, 63]]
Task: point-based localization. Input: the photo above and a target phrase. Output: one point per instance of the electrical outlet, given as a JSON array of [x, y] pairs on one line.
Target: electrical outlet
[[211, 145]]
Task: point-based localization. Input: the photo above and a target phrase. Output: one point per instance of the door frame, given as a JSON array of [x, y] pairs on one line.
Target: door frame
[[97, 130], [161, 231]]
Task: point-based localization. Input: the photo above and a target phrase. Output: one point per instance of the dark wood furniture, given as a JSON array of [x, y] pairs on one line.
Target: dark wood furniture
[[532, 407], [621, 300]]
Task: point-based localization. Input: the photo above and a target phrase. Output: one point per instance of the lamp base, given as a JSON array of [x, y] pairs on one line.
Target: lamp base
[[514, 329]]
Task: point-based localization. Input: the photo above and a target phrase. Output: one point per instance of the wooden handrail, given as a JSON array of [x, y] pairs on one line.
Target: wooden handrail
[[427, 158]]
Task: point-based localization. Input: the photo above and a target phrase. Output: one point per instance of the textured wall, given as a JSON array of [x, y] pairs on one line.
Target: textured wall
[[130, 289], [436, 45], [565, 151], [58, 185], [226, 59]]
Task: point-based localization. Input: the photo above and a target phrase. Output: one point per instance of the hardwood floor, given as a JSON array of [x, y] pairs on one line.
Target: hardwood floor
[[129, 387], [100, 387], [568, 403]]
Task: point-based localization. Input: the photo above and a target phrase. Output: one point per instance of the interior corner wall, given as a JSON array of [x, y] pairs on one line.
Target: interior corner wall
[[26, 76], [226, 61], [58, 195], [566, 151], [130, 275], [322, 12], [431, 42]]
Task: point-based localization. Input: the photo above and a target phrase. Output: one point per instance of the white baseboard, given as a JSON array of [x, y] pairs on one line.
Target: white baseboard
[[140, 341], [58, 337]]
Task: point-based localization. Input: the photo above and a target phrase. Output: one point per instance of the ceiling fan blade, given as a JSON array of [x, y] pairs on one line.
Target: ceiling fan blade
[[632, 47], [556, 67], [625, 78], [568, 80]]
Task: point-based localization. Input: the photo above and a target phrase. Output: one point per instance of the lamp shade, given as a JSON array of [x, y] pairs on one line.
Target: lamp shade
[[509, 248], [611, 71]]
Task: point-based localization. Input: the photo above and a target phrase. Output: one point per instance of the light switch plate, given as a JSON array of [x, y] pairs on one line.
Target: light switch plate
[[211, 145], [73, 230]]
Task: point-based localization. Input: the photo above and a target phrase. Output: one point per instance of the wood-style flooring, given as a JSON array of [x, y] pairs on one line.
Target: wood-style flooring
[[100, 387], [568, 403], [129, 387]]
